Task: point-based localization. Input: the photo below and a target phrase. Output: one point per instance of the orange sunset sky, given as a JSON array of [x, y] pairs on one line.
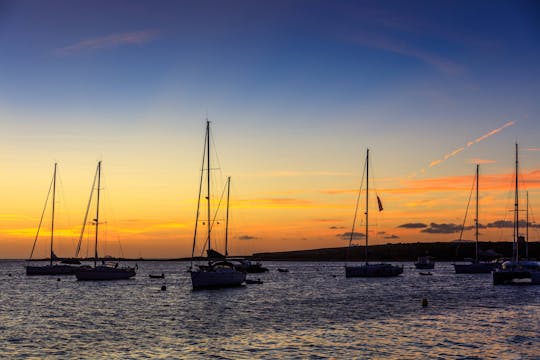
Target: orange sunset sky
[[295, 92]]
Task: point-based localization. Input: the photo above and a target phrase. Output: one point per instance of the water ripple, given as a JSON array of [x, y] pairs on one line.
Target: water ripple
[[306, 313]]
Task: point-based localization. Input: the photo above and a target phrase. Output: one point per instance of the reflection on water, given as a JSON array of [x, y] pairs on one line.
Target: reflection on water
[[312, 311]]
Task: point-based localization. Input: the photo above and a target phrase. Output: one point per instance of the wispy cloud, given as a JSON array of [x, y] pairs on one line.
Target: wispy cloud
[[435, 228], [109, 41], [446, 157], [500, 224], [492, 132], [247, 237], [481, 161], [355, 235], [413, 225], [471, 143], [379, 41]]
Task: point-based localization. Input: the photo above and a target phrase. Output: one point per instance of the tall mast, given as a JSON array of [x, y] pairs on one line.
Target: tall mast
[[527, 229], [476, 219], [516, 211], [53, 203], [367, 204], [97, 213], [208, 180], [227, 217]]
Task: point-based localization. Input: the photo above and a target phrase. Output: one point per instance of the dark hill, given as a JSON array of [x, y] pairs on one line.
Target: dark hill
[[444, 251]]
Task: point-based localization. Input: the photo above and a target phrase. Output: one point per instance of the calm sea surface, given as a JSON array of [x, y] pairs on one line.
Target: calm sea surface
[[311, 312]]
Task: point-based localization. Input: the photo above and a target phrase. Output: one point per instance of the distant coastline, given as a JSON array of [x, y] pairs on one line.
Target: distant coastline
[[441, 251]]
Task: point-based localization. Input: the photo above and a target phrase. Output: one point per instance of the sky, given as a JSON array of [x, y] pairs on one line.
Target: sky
[[296, 91]]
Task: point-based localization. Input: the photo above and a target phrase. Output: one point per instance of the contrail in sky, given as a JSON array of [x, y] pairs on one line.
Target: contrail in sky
[[470, 143]]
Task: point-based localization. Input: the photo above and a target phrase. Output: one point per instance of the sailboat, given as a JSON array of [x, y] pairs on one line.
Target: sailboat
[[517, 271], [103, 271], [367, 269], [52, 268], [217, 272], [476, 266]]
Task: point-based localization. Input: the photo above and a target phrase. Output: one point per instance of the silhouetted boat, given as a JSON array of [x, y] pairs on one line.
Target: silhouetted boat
[[517, 271], [218, 272], [53, 268], [282, 270], [424, 263], [249, 267], [152, 276], [475, 266], [104, 271], [367, 269]]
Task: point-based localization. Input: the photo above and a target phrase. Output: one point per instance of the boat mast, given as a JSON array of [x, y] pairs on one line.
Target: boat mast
[[516, 211], [527, 229], [52, 221], [208, 180], [476, 219], [367, 204], [97, 212], [227, 217]]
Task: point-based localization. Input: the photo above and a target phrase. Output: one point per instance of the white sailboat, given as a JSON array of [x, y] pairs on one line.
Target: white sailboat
[[217, 272], [103, 271], [53, 268], [367, 269], [475, 266], [517, 271]]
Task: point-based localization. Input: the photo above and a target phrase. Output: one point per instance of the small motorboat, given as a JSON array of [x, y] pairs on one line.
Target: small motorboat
[[425, 273], [251, 281], [283, 270], [154, 276]]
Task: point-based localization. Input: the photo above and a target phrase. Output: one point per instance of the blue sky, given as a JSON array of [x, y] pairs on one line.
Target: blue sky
[[292, 86]]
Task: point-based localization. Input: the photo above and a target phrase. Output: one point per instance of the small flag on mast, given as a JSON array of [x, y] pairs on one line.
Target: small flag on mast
[[379, 202]]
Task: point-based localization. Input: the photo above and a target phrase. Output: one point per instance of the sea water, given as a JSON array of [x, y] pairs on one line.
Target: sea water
[[312, 311]]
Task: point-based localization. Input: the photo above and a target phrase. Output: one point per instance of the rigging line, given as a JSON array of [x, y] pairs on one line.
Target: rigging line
[[467, 209], [110, 213], [216, 155], [41, 219], [198, 203], [217, 208], [507, 208], [466, 213], [356, 210], [86, 217], [65, 208]]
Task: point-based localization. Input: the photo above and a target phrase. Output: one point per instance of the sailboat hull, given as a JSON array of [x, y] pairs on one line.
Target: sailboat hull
[[474, 268], [518, 272], [373, 270], [51, 270], [202, 279], [104, 273]]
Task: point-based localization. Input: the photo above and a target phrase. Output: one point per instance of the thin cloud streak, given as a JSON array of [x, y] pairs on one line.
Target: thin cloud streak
[[471, 143], [381, 42], [109, 41]]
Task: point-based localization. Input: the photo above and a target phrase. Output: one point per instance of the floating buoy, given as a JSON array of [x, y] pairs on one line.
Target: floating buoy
[[163, 288], [424, 302], [57, 279], [9, 274]]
